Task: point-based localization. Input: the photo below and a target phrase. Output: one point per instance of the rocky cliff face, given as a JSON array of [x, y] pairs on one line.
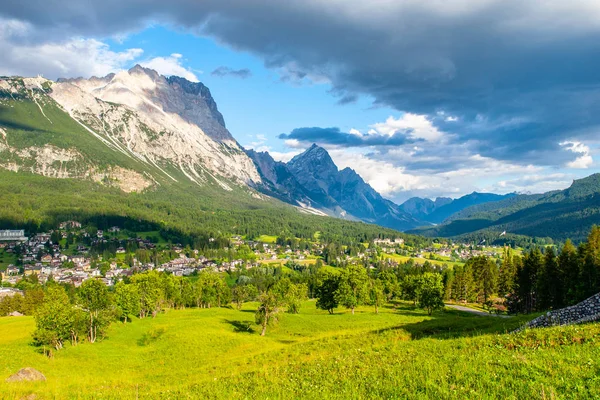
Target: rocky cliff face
[[159, 121], [161, 127], [312, 179], [278, 181]]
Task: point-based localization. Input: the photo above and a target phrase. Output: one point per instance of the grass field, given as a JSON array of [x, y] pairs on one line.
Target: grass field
[[267, 239], [6, 259], [400, 353], [403, 259]]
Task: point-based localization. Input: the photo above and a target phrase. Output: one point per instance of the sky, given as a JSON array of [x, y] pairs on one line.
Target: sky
[[421, 98]]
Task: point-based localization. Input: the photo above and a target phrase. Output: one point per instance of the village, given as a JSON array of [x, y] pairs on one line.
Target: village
[[73, 254]]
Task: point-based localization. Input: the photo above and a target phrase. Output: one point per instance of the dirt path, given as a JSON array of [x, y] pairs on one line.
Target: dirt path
[[476, 312]]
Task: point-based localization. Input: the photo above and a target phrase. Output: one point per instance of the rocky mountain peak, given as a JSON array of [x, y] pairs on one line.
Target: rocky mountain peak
[[315, 158], [139, 70], [198, 89]]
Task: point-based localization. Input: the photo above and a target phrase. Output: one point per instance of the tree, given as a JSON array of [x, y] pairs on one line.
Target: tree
[[485, 275], [590, 266], [148, 287], [506, 278], [352, 290], [296, 294], [94, 299], [391, 288], [377, 293], [409, 288], [549, 283], [430, 291], [526, 282], [127, 299], [326, 291], [243, 293], [54, 320], [569, 266], [268, 310]]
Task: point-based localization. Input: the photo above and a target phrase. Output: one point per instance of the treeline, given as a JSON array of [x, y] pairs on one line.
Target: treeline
[[65, 314], [540, 279], [352, 286], [550, 280]]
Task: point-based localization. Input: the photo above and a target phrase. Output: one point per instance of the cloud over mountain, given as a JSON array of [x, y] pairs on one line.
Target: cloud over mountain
[[502, 70]]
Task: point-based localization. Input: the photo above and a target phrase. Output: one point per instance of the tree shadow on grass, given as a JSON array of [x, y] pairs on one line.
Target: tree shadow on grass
[[241, 326], [455, 324]]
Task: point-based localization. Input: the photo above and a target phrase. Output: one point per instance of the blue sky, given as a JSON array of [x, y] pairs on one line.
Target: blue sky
[[420, 98], [262, 104]]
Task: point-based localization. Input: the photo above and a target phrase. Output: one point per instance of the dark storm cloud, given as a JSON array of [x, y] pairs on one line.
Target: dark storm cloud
[[520, 76], [334, 136], [223, 71]]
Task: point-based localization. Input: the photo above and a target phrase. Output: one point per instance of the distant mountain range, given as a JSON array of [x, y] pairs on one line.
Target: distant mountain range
[[561, 214], [438, 211], [313, 181]]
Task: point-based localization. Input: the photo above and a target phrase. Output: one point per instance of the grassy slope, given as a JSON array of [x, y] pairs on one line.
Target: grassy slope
[[397, 354]]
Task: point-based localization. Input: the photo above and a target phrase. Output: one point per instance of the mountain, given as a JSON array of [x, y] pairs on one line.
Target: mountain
[[146, 151], [312, 180], [135, 129], [279, 182], [420, 208], [561, 214], [435, 212], [441, 213]]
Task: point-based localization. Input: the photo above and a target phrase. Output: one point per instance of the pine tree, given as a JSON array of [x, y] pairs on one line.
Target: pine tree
[[569, 265]]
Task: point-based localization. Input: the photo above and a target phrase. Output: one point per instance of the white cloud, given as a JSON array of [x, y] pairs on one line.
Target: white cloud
[[284, 156], [584, 161], [68, 58], [171, 65], [535, 183], [416, 126], [258, 144], [382, 176], [295, 144]]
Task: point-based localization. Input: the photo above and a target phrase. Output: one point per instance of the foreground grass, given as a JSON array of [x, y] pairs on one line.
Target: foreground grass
[[400, 353]]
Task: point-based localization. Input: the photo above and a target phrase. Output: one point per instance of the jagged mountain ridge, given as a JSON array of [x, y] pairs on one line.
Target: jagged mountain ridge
[[312, 179], [156, 128]]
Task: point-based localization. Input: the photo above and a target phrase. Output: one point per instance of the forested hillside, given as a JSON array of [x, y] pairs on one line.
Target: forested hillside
[[569, 213]]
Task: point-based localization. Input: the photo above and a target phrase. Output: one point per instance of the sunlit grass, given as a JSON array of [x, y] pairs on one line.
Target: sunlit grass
[[398, 353]]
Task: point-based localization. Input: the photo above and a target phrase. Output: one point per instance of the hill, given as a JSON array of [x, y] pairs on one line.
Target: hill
[[568, 213], [442, 208], [399, 353]]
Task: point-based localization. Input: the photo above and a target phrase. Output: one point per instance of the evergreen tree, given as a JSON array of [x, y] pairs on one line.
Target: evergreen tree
[[550, 282], [569, 265]]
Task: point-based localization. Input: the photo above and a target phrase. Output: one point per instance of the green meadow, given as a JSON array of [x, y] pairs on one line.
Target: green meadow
[[399, 353]]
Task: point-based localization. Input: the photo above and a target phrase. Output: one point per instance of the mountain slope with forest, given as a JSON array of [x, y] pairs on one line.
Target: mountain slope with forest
[[442, 208], [159, 156], [563, 214]]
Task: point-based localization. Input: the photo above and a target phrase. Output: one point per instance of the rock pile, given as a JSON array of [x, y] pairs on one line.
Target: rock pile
[[586, 311], [26, 374]]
